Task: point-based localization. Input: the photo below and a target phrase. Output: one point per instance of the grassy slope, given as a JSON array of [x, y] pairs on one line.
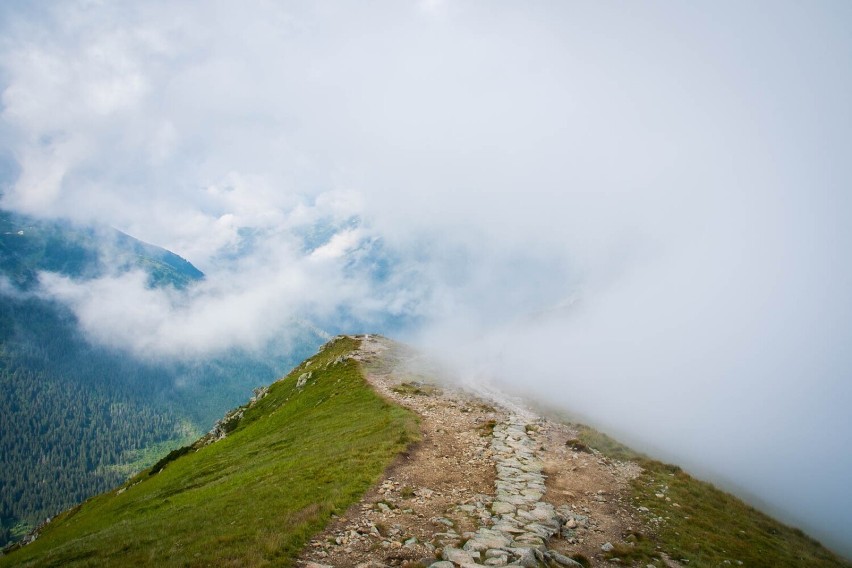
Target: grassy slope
[[704, 525], [252, 499]]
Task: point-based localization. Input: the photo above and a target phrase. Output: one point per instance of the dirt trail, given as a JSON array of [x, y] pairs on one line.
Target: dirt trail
[[491, 483]]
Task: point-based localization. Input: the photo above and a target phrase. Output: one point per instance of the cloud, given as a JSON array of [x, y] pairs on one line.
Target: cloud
[[269, 285], [639, 212]]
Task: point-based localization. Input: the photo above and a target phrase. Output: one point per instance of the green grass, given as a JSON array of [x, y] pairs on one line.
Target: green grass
[[702, 524], [591, 438], [708, 526], [21, 529], [252, 499], [416, 389], [137, 460]]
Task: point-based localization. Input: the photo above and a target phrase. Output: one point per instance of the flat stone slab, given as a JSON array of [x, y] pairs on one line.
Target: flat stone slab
[[500, 507], [456, 555]]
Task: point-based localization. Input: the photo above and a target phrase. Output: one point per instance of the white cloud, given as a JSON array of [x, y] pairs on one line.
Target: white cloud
[[676, 174], [339, 245]]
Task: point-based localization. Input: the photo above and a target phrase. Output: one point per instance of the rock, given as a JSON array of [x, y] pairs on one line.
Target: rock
[[483, 541], [607, 547], [442, 564], [543, 512], [303, 378], [525, 557], [508, 529], [317, 565], [540, 530], [571, 524], [529, 539], [457, 555], [563, 560], [501, 507]]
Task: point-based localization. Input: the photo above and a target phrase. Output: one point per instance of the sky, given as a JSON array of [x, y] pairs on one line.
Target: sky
[[636, 211]]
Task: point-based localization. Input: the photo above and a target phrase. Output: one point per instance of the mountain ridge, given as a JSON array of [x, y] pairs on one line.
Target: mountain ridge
[[486, 481], [29, 245]]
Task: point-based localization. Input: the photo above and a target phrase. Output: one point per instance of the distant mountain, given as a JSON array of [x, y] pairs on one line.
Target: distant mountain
[[29, 245], [76, 418]]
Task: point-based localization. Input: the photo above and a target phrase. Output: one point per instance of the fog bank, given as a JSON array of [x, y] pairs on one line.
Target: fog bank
[[637, 211]]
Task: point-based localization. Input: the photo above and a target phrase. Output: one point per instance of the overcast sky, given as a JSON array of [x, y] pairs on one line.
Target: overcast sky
[[639, 210]]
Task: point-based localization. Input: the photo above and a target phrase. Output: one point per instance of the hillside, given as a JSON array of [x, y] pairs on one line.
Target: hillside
[[82, 416], [305, 475], [29, 245], [305, 449]]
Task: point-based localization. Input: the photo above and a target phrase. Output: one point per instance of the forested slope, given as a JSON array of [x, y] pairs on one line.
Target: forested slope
[[76, 419], [305, 449]]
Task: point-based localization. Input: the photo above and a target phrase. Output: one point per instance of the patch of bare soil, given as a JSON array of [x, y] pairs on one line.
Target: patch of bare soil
[[594, 487], [424, 500]]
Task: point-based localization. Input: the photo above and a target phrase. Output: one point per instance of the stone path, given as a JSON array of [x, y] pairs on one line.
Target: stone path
[[518, 523], [474, 491]]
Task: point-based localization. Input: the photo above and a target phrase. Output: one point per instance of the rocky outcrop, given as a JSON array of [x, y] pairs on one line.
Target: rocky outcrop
[[231, 420]]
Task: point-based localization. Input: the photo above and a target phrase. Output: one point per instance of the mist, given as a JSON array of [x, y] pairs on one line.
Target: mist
[[639, 212]]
